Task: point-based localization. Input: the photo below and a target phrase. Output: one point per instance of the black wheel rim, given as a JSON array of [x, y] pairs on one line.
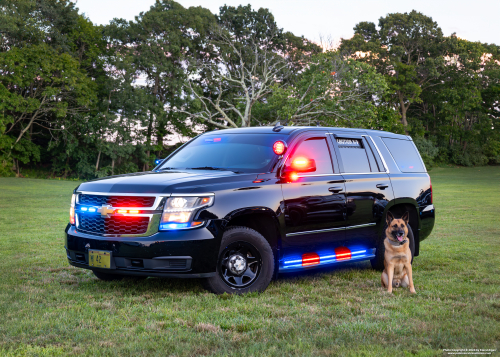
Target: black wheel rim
[[236, 273]]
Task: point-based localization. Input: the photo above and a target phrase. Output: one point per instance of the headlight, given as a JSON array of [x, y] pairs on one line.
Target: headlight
[[179, 211], [72, 210]]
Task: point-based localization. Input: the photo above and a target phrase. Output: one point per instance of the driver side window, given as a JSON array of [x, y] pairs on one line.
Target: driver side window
[[315, 148]]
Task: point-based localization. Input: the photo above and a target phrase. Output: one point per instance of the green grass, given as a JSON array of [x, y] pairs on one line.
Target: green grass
[[48, 308]]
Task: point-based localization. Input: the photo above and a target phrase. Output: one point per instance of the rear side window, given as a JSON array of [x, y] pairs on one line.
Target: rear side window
[[316, 149], [355, 157], [405, 154]]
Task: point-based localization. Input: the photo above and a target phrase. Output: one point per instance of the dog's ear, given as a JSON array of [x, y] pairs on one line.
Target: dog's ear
[[406, 217], [389, 218]]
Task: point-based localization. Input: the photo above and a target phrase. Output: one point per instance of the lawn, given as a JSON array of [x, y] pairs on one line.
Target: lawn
[[48, 308]]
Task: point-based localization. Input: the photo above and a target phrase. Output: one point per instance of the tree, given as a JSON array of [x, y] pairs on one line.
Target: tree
[[330, 91], [154, 49], [407, 49], [42, 88], [253, 58]]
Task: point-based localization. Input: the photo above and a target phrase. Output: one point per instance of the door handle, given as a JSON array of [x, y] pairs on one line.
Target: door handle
[[335, 189], [382, 186]]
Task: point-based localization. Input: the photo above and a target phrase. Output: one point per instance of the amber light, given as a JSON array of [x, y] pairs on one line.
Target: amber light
[[300, 162], [123, 211], [279, 148], [205, 200], [342, 253], [310, 259]]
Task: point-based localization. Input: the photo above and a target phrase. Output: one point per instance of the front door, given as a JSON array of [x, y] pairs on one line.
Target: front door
[[314, 202]]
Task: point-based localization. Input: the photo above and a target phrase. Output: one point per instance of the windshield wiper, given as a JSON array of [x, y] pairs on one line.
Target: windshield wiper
[[168, 168], [211, 168]]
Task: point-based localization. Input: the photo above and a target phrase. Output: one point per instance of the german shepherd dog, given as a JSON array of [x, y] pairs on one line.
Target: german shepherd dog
[[397, 257]]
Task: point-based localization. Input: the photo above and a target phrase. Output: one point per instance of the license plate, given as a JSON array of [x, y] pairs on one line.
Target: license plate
[[100, 259]]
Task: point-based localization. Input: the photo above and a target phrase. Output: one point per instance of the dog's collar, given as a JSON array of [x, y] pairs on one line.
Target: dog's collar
[[397, 243]]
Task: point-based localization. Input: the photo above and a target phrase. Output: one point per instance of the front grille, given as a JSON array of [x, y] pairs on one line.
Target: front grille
[[113, 225], [116, 201]]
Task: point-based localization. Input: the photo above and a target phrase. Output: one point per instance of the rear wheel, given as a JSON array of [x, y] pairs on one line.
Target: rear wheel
[[106, 276], [245, 263], [378, 261]]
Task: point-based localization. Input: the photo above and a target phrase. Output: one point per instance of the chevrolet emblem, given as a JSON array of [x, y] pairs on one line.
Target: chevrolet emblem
[[105, 211]]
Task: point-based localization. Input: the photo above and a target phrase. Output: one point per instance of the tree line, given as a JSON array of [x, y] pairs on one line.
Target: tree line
[[86, 101]]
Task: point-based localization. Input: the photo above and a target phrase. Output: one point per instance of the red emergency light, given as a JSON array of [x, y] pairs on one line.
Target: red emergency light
[[279, 147], [309, 259], [342, 253]]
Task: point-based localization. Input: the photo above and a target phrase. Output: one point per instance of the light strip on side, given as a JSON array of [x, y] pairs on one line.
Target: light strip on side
[[327, 259]]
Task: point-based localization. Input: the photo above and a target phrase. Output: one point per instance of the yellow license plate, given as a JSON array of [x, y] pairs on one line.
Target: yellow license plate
[[100, 259]]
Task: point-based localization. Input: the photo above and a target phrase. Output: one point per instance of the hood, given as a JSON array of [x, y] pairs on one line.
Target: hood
[[162, 182]]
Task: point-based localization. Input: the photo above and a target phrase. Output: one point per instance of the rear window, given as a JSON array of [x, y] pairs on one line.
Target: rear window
[[357, 157], [405, 154]]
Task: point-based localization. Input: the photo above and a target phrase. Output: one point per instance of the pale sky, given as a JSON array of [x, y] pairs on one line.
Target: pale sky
[[477, 20]]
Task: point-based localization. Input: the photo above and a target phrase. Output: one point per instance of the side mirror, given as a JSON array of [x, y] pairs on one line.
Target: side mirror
[[300, 164]]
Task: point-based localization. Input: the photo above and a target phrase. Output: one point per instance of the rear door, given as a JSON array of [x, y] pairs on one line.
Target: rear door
[[368, 187], [314, 203]]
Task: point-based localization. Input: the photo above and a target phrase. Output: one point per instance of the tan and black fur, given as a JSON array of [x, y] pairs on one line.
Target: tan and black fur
[[397, 257]]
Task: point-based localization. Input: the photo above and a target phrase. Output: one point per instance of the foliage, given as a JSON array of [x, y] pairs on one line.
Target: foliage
[[87, 101], [252, 58], [330, 91], [428, 151], [446, 89]]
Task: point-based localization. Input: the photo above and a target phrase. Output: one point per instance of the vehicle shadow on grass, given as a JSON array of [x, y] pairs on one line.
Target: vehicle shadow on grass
[[134, 286], [131, 286]]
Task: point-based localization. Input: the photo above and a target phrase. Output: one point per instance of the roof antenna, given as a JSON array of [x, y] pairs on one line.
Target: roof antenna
[[317, 123], [278, 127]]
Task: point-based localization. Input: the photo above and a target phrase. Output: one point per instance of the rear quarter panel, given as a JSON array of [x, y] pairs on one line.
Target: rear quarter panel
[[411, 188]]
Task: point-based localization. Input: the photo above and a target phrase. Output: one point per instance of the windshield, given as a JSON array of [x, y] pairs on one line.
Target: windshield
[[247, 153]]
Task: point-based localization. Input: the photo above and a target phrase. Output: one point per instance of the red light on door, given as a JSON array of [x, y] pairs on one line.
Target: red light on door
[[342, 253], [279, 147], [310, 259], [294, 176]]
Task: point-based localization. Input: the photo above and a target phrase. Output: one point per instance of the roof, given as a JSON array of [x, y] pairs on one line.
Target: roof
[[287, 130]]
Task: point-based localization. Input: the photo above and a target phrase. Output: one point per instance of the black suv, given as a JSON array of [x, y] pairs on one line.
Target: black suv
[[236, 207]]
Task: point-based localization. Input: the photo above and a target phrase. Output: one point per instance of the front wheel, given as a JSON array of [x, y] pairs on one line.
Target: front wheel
[[245, 263]]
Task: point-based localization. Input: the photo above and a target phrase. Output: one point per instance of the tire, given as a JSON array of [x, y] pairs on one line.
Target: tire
[[251, 259], [106, 276], [378, 261]]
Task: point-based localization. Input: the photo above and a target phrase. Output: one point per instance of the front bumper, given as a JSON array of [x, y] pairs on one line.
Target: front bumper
[[184, 253]]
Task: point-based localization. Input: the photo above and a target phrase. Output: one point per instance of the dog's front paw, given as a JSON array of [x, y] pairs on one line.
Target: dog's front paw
[[412, 290]]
